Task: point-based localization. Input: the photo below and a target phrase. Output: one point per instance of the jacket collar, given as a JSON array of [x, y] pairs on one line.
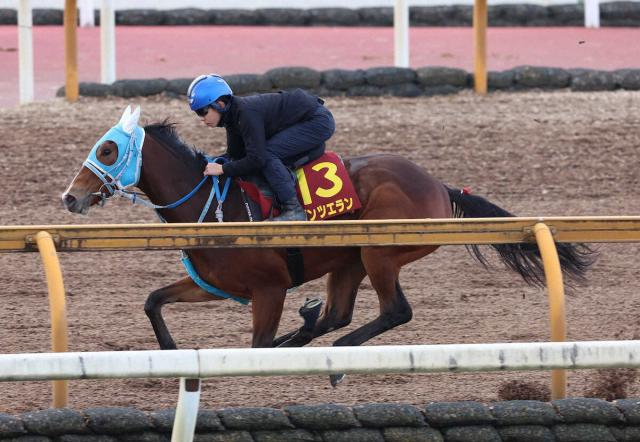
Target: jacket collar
[[226, 118]]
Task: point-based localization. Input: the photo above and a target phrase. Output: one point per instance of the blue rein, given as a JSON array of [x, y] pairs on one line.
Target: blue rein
[[186, 197], [215, 190]]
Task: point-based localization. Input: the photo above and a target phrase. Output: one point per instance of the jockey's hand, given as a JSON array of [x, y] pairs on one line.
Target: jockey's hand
[[213, 169]]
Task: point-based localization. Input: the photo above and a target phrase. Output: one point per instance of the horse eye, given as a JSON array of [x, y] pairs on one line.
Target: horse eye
[[106, 152]]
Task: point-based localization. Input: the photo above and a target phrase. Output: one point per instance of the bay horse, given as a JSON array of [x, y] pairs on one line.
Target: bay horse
[[388, 187]]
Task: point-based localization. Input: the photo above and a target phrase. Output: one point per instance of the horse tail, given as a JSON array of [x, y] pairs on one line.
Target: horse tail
[[522, 258]]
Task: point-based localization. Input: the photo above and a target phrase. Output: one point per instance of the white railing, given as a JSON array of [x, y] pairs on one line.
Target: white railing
[[319, 360], [195, 364]]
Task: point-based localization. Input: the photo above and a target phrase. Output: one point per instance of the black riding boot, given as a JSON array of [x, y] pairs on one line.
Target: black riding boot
[[291, 210]]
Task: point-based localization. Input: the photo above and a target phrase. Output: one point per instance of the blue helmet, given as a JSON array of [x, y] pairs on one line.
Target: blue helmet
[[205, 90]]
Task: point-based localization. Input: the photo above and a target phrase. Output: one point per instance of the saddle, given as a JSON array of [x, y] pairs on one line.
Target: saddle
[[323, 187]]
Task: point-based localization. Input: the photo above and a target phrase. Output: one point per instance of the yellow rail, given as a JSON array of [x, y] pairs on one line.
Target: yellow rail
[[328, 233], [544, 231], [555, 289], [57, 307]]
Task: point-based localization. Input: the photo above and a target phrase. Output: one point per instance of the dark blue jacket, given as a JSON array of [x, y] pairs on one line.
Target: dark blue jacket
[[251, 121]]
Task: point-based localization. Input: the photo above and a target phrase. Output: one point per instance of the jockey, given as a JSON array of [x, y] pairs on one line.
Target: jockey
[[263, 132]]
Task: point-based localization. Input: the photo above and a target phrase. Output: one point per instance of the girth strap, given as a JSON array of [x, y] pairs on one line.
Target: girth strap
[[295, 265]]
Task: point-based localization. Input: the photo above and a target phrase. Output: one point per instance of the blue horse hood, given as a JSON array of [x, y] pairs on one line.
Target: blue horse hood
[[125, 171]]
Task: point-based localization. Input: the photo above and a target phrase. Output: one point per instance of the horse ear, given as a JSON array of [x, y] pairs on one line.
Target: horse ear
[[125, 116], [132, 121]]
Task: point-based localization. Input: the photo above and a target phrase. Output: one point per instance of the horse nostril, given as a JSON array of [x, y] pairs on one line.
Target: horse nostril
[[68, 199]]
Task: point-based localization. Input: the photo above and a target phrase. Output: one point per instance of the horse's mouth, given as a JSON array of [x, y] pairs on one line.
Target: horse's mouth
[[77, 205]]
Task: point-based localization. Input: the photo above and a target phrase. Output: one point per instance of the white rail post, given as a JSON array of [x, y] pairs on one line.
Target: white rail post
[[87, 18], [107, 42], [592, 13], [25, 51], [401, 33], [184, 424]]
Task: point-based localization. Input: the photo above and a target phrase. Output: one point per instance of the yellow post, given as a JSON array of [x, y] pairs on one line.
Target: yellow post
[[553, 275], [57, 307], [480, 45], [71, 50]]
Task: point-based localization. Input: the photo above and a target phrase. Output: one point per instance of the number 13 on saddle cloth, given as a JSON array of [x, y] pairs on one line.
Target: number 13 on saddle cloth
[[325, 189]]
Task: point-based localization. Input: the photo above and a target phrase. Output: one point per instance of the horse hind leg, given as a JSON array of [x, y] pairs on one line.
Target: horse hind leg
[[342, 289], [394, 307], [184, 290]]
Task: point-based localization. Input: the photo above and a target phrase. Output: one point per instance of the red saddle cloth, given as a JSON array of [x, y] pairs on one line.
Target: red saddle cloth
[[324, 190]]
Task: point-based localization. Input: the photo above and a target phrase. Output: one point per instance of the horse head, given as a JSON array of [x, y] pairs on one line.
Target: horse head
[[113, 164], [169, 178]]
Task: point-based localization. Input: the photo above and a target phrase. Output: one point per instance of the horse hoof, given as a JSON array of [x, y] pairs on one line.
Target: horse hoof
[[310, 312], [335, 379]]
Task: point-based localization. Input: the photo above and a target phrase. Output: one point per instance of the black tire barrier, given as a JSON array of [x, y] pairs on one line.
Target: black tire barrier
[[560, 420], [620, 13], [380, 81]]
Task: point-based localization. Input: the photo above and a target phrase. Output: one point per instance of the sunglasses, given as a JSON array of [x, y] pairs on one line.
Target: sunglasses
[[202, 112]]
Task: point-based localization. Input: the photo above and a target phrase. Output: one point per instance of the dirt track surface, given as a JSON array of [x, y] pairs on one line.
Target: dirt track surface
[[534, 154]]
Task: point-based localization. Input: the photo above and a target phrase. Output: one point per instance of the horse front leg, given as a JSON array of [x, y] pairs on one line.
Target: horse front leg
[[184, 290], [266, 308]]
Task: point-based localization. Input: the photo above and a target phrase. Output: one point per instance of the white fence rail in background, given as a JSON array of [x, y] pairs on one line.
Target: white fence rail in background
[[592, 13], [25, 51], [108, 42], [401, 33], [310, 361], [86, 8], [320, 360]]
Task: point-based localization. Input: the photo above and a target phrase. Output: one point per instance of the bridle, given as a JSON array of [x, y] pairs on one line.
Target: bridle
[[118, 178], [125, 173]]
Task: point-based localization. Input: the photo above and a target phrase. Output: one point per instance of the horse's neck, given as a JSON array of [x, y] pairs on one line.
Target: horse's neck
[[166, 180]]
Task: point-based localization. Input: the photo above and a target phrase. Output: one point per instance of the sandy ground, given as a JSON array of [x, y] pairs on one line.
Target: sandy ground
[[549, 154]]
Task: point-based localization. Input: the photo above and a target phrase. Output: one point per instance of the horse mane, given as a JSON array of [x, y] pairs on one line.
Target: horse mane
[[165, 134]]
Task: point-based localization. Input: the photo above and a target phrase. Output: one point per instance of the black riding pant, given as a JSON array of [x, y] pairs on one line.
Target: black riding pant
[[297, 139]]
